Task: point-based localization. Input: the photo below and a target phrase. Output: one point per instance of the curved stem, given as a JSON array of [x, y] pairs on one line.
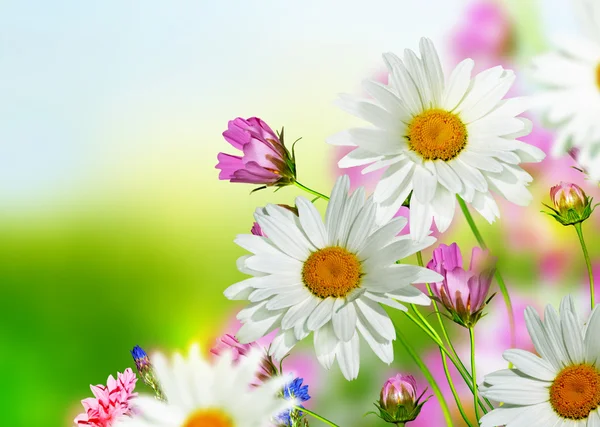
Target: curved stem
[[586, 255], [497, 275], [454, 392], [317, 416], [310, 190], [474, 371], [427, 373]]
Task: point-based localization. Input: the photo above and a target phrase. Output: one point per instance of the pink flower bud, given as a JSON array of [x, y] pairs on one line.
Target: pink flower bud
[[265, 159], [400, 390], [567, 196], [464, 293]]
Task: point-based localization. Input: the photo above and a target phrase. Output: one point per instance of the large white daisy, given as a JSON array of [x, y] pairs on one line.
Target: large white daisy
[[559, 389], [200, 394], [440, 138], [571, 98], [328, 278]]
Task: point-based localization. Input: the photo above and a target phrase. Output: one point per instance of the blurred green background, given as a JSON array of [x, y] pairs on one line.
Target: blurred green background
[[114, 229]]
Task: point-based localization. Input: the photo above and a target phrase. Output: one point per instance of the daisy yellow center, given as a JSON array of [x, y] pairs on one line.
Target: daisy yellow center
[[208, 418], [437, 135], [575, 392], [331, 272], [598, 76]]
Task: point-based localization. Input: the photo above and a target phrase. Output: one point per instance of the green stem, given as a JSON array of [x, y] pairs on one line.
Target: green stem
[[317, 416], [497, 275], [454, 392], [586, 255], [427, 373], [449, 344], [310, 190], [474, 372]]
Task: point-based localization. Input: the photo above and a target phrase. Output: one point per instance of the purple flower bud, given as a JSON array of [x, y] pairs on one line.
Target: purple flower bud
[[464, 293], [265, 159]]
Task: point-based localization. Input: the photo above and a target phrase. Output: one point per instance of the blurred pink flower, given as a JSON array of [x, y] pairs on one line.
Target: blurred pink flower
[[229, 343], [300, 363], [110, 402], [265, 159], [462, 292], [484, 34]]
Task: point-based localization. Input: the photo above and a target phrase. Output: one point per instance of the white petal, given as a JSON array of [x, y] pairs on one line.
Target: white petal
[[372, 314], [443, 206], [362, 227], [573, 339], [539, 338], [299, 313], [388, 99], [421, 217], [433, 70], [592, 343], [325, 345], [321, 314], [358, 157], [530, 364], [458, 83], [283, 342], [384, 351], [368, 111], [348, 357], [253, 330], [287, 237], [424, 184], [519, 392], [336, 206], [447, 177], [501, 416], [312, 223], [344, 320]]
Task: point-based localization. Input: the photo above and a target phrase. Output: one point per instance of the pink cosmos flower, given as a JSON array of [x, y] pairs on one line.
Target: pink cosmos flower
[[567, 196], [265, 158], [398, 390], [463, 293], [110, 402], [230, 343]]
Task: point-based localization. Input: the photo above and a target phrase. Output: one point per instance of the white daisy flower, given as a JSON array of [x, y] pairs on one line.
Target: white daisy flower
[[199, 394], [560, 388], [440, 138], [571, 98], [328, 278]]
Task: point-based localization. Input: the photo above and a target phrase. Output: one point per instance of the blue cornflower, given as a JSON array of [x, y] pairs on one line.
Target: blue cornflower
[[142, 362], [293, 390]]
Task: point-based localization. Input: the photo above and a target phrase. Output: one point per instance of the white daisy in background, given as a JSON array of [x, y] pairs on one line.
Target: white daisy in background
[[439, 139], [328, 278], [200, 394], [559, 389], [571, 99]]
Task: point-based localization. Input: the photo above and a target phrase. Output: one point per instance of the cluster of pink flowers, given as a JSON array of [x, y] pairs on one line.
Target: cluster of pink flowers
[[111, 401]]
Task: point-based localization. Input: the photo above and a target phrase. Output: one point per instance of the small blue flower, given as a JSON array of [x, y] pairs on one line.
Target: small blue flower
[[142, 362], [293, 390]]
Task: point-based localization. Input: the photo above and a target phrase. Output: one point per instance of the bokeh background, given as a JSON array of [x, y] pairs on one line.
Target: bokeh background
[[114, 229]]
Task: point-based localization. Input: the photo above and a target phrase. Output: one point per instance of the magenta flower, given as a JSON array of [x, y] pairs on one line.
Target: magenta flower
[[110, 403], [464, 293], [265, 158]]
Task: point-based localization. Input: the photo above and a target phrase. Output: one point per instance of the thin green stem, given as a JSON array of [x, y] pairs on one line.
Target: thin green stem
[[497, 275], [454, 392], [586, 255], [454, 358], [317, 416], [427, 373], [310, 190], [448, 342], [474, 372]]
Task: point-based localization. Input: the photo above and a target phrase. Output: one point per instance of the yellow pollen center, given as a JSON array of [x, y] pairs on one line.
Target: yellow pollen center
[[437, 135], [208, 418], [598, 76], [575, 392], [331, 272]]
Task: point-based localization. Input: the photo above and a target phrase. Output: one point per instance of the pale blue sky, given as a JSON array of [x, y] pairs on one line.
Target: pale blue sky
[[79, 80]]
